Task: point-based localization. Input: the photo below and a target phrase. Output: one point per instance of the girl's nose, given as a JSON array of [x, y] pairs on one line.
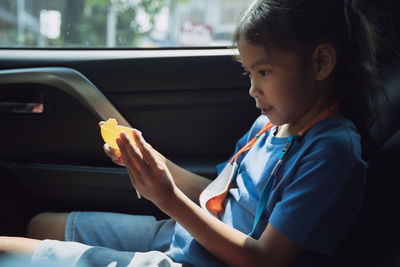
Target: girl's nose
[[252, 90]]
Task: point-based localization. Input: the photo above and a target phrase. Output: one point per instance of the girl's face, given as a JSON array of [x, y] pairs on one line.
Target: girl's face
[[282, 85]]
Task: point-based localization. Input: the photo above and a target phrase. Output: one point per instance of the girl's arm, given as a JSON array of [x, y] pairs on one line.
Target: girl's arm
[[149, 174], [190, 183], [228, 244]]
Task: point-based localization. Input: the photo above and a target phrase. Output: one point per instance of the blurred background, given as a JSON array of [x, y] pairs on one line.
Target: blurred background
[[118, 23]]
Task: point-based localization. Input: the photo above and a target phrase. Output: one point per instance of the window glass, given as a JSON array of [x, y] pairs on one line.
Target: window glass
[[118, 23]]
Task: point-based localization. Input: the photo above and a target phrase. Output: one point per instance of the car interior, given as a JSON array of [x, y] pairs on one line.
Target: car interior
[[191, 104]]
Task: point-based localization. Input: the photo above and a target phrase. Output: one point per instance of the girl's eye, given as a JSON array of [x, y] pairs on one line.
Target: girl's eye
[[246, 73], [263, 72]]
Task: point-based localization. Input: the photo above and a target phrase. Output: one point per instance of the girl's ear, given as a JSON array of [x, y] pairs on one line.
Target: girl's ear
[[324, 60]]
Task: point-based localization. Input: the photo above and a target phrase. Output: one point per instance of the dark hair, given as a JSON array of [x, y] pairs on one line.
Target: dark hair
[[301, 25]]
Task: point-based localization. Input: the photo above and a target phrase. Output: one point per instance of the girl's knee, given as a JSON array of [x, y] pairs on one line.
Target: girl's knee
[[48, 225]]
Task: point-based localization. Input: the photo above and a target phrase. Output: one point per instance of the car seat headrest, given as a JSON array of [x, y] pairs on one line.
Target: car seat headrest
[[388, 121]]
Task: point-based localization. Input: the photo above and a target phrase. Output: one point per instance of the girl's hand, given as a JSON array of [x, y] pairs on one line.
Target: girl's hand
[[114, 154], [147, 169]]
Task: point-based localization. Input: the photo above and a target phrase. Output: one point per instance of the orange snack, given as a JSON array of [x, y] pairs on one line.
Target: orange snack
[[110, 131]]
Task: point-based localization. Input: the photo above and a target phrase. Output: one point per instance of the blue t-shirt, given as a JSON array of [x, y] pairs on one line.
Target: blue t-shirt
[[315, 198]]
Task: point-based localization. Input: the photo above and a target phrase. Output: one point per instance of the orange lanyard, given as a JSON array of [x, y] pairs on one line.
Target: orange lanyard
[[215, 203], [323, 115], [251, 142]]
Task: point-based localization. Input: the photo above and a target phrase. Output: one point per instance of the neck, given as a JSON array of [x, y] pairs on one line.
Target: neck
[[302, 123]]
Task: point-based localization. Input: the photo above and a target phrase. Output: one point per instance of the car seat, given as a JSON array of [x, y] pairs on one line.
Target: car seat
[[374, 238]]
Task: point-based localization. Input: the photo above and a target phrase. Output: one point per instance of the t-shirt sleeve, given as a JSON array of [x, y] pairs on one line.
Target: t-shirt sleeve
[[319, 206]]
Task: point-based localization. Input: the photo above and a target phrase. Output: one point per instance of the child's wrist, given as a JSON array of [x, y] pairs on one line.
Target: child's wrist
[[171, 202]]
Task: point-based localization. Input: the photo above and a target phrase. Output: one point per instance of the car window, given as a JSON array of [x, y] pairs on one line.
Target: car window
[[118, 23]]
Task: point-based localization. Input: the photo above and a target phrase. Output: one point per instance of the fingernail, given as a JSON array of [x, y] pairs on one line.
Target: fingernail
[[123, 135]]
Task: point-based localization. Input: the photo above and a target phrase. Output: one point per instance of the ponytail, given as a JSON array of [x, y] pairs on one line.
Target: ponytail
[[356, 73]]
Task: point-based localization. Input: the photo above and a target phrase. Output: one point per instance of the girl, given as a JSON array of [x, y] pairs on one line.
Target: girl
[[299, 181]]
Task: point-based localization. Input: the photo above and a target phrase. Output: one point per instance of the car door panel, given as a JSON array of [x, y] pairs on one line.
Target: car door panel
[[191, 108]]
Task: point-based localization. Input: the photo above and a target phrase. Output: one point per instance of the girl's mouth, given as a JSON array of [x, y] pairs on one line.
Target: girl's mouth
[[265, 111]]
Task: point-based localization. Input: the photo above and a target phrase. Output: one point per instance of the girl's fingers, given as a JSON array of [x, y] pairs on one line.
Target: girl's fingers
[[119, 161], [129, 163], [114, 154], [108, 150], [148, 152], [133, 151]]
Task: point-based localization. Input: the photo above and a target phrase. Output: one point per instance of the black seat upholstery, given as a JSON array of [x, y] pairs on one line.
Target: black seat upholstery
[[374, 239]]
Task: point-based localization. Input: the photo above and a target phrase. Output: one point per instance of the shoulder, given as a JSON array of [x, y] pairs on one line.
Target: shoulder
[[333, 137], [330, 153]]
